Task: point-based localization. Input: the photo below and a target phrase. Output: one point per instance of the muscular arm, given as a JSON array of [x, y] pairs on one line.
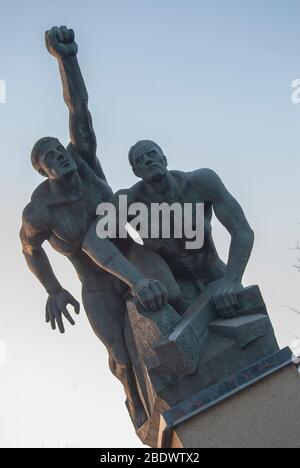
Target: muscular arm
[[151, 293], [33, 234], [231, 215], [32, 238], [60, 43], [107, 255]]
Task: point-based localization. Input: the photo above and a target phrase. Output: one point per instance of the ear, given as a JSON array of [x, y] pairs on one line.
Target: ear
[[136, 172], [43, 173], [166, 161]]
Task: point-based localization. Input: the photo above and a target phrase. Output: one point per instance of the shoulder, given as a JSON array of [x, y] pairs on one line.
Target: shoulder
[[205, 176], [205, 182], [208, 179], [178, 174], [131, 193], [35, 216], [42, 192]]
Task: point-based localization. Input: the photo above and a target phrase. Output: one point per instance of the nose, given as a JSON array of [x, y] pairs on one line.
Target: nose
[[148, 161]]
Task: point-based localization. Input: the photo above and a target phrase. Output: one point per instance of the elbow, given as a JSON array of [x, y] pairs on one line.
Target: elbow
[[245, 236], [77, 106], [251, 236], [251, 239]]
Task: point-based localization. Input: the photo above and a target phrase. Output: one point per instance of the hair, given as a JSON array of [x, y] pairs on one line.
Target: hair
[[141, 147], [36, 153]]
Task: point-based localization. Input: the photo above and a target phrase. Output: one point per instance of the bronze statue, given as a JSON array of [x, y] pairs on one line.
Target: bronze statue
[[174, 320], [61, 210]]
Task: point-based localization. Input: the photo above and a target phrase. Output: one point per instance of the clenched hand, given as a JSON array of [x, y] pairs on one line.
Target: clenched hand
[[60, 42], [151, 293]]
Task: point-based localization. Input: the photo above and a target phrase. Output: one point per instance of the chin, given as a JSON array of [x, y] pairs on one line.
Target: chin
[[157, 176]]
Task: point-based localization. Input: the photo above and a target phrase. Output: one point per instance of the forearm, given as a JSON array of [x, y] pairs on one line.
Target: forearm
[[74, 89], [108, 257], [39, 264], [80, 121], [239, 254]]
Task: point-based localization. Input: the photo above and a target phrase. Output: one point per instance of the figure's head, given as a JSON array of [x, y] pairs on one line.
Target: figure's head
[[148, 161], [51, 159]]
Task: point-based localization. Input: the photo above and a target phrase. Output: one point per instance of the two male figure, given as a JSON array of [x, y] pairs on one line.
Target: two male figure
[[62, 211]]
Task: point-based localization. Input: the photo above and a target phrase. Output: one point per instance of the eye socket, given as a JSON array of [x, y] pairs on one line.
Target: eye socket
[[48, 155], [152, 153]]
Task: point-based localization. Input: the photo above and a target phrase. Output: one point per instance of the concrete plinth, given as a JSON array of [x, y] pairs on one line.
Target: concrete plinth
[[259, 408]]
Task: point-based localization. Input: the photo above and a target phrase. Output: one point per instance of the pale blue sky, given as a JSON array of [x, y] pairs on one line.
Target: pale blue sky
[[210, 81]]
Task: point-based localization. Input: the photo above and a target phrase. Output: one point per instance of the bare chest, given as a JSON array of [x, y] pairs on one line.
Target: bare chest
[[184, 204], [70, 222]]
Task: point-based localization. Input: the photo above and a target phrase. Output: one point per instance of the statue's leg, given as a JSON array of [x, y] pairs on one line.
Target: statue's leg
[[105, 313]]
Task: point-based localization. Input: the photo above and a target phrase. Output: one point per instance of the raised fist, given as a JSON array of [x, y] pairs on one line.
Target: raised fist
[[60, 42]]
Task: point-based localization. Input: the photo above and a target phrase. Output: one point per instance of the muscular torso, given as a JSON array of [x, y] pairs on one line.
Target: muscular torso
[[71, 219], [71, 216], [174, 251]]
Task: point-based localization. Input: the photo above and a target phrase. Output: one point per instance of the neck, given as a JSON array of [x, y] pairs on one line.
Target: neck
[[164, 185], [69, 183]]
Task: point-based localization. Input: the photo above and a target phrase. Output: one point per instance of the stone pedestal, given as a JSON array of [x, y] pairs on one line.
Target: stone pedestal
[[257, 408], [177, 357]]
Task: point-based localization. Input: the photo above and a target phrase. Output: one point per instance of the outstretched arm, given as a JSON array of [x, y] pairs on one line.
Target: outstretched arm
[[61, 44], [151, 293], [231, 215], [32, 238]]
